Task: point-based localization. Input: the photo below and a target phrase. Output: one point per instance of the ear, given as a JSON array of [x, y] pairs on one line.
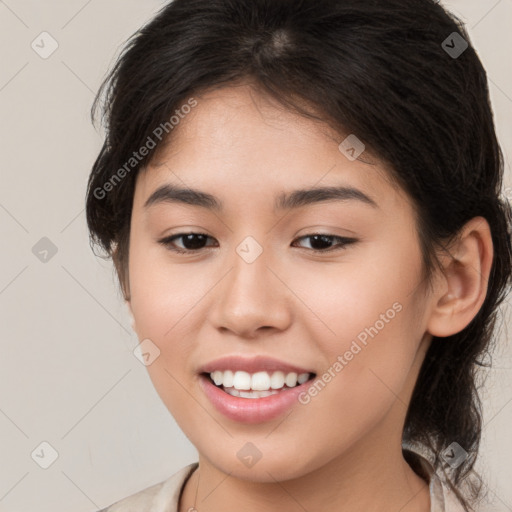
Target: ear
[[461, 289]]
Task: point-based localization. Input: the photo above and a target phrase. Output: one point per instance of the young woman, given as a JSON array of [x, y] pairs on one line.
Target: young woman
[[302, 202]]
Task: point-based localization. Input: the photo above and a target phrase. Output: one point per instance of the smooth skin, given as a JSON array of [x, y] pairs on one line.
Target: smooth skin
[[341, 451]]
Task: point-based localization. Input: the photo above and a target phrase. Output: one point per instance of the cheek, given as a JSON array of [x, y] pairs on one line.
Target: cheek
[[344, 298], [162, 298], [163, 304], [368, 313], [161, 292]]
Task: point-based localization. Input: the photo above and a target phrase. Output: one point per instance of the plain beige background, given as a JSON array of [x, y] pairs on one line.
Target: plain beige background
[[68, 377]]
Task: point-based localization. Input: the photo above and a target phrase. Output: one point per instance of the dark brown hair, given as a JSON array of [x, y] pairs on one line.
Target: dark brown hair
[[391, 72]]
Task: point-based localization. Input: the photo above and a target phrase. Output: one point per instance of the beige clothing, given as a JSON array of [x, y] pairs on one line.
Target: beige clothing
[[164, 496]]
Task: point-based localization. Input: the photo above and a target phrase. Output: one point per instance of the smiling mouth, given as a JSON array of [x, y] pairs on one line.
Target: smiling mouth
[[250, 393]]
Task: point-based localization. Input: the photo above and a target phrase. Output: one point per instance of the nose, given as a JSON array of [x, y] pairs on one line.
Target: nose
[[251, 298]]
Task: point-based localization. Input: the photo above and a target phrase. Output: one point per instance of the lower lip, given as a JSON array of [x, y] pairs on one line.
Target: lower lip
[[251, 410]]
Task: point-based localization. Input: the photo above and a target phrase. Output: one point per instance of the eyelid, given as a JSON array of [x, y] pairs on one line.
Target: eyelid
[[167, 240], [345, 241]]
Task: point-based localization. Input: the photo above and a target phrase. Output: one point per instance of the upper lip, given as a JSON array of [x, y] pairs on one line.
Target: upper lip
[[251, 365]]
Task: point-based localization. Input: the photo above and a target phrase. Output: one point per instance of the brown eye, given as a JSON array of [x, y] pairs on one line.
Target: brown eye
[[192, 242], [323, 243], [195, 242]]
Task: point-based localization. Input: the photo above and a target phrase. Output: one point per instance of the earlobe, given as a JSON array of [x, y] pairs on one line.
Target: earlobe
[[462, 288]]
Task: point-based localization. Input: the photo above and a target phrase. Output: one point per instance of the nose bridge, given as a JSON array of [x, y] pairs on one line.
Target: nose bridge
[[251, 295], [249, 283]]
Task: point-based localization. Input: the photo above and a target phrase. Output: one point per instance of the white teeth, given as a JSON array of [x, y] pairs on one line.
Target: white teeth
[[260, 381], [216, 376], [241, 380], [291, 380], [250, 394], [227, 378], [277, 380], [303, 377]]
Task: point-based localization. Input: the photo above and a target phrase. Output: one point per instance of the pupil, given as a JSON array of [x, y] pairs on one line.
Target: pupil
[[324, 238], [192, 246]]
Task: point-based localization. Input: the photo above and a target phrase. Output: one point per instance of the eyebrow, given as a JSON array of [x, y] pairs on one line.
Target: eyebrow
[[285, 201]]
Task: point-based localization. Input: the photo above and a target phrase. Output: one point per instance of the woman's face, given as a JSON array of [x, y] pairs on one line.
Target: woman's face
[[356, 312]]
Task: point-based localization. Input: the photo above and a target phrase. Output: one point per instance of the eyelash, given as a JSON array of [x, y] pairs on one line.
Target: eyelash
[[344, 241]]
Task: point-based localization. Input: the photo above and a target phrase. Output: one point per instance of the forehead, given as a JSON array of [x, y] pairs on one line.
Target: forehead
[[238, 140]]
